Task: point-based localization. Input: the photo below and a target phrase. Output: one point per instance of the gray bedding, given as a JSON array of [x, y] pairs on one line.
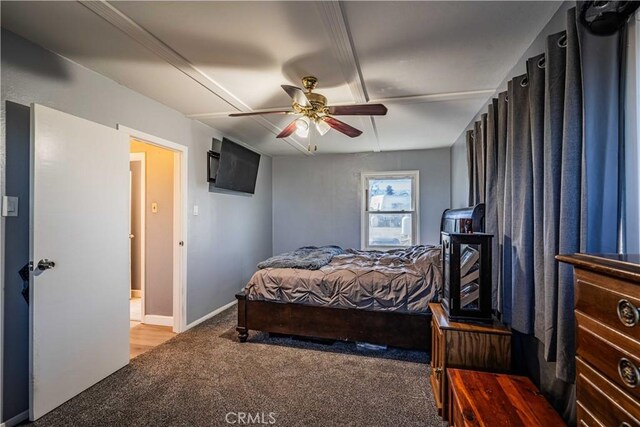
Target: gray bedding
[[401, 280], [307, 258]]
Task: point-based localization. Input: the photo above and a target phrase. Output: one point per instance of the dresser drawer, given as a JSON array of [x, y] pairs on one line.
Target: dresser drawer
[[610, 301], [612, 354], [585, 418], [605, 401]]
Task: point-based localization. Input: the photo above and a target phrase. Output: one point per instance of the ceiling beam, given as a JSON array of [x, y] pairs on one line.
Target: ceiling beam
[[436, 97], [145, 38], [335, 21], [398, 100]]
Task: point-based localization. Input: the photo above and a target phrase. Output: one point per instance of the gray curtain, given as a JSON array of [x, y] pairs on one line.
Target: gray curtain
[[501, 148], [478, 142], [555, 75], [521, 206], [536, 77], [482, 179], [549, 151], [571, 226], [600, 64], [491, 190], [476, 160], [507, 270], [471, 166]]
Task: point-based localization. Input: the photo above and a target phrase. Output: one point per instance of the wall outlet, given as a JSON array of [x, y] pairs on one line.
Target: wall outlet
[[9, 206]]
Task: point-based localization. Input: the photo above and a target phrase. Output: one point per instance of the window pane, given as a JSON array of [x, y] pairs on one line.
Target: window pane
[[390, 194], [390, 230]]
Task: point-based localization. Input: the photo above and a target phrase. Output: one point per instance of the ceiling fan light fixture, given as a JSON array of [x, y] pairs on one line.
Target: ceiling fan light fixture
[[322, 127], [302, 126]]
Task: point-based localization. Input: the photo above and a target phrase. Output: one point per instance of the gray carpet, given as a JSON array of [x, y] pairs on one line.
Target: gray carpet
[[200, 376]]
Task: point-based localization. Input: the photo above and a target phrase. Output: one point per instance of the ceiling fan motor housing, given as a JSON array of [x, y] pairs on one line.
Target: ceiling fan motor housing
[[317, 101], [309, 83]]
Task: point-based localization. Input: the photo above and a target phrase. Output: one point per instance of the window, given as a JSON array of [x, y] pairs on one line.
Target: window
[[389, 209]]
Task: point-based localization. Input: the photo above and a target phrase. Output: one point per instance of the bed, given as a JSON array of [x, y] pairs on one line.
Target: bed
[[365, 296]]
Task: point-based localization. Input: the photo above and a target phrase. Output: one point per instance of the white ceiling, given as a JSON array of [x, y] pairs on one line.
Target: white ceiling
[[434, 64]]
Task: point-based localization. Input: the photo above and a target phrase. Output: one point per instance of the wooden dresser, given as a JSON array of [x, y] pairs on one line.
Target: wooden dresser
[[607, 309], [464, 345]]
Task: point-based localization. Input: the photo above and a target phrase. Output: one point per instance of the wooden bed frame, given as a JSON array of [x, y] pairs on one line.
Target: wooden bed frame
[[403, 330], [409, 331]]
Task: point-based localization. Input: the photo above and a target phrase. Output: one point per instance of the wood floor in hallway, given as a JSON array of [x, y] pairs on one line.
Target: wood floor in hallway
[[143, 338]]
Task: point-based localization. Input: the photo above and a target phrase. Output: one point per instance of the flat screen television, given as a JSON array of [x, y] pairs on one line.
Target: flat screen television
[[235, 169]]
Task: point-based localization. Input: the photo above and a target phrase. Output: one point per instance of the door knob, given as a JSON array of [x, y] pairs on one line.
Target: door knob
[[45, 264], [131, 236]]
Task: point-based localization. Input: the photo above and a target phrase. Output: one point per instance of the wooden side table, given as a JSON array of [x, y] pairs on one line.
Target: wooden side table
[[478, 346], [482, 399]]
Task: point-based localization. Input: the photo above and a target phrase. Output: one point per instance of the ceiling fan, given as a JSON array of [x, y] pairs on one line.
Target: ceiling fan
[[312, 107]]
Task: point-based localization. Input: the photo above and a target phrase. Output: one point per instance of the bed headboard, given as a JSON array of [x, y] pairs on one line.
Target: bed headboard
[[463, 220]]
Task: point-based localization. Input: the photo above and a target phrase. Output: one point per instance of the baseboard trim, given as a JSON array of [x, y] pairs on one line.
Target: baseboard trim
[[16, 420], [210, 315], [154, 319], [136, 293]]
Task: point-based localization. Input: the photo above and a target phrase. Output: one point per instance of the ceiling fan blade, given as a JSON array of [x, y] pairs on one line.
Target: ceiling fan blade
[[297, 95], [358, 110], [291, 128], [342, 127], [257, 113]]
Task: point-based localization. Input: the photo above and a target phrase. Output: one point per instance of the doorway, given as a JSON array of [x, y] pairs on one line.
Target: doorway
[[163, 214], [153, 193]]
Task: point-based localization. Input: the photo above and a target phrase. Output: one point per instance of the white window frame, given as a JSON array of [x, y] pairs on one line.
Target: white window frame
[[364, 208]]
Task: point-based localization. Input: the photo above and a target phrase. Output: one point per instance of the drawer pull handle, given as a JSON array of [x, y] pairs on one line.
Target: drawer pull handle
[[628, 373], [628, 313]]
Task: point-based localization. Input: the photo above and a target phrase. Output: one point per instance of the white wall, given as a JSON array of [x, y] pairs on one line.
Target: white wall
[[317, 199], [231, 234]]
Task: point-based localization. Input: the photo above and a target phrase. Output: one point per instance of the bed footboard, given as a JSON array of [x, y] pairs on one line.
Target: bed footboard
[[403, 330]]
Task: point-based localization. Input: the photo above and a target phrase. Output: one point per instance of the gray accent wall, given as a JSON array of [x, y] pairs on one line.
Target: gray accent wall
[[225, 241], [317, 199]]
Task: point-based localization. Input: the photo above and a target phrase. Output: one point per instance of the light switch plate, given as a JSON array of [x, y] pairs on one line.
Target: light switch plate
[[9, 206], [195, 210], [154, 207]]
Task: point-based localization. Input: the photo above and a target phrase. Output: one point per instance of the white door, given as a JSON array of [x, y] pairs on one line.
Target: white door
[[79, 311]]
